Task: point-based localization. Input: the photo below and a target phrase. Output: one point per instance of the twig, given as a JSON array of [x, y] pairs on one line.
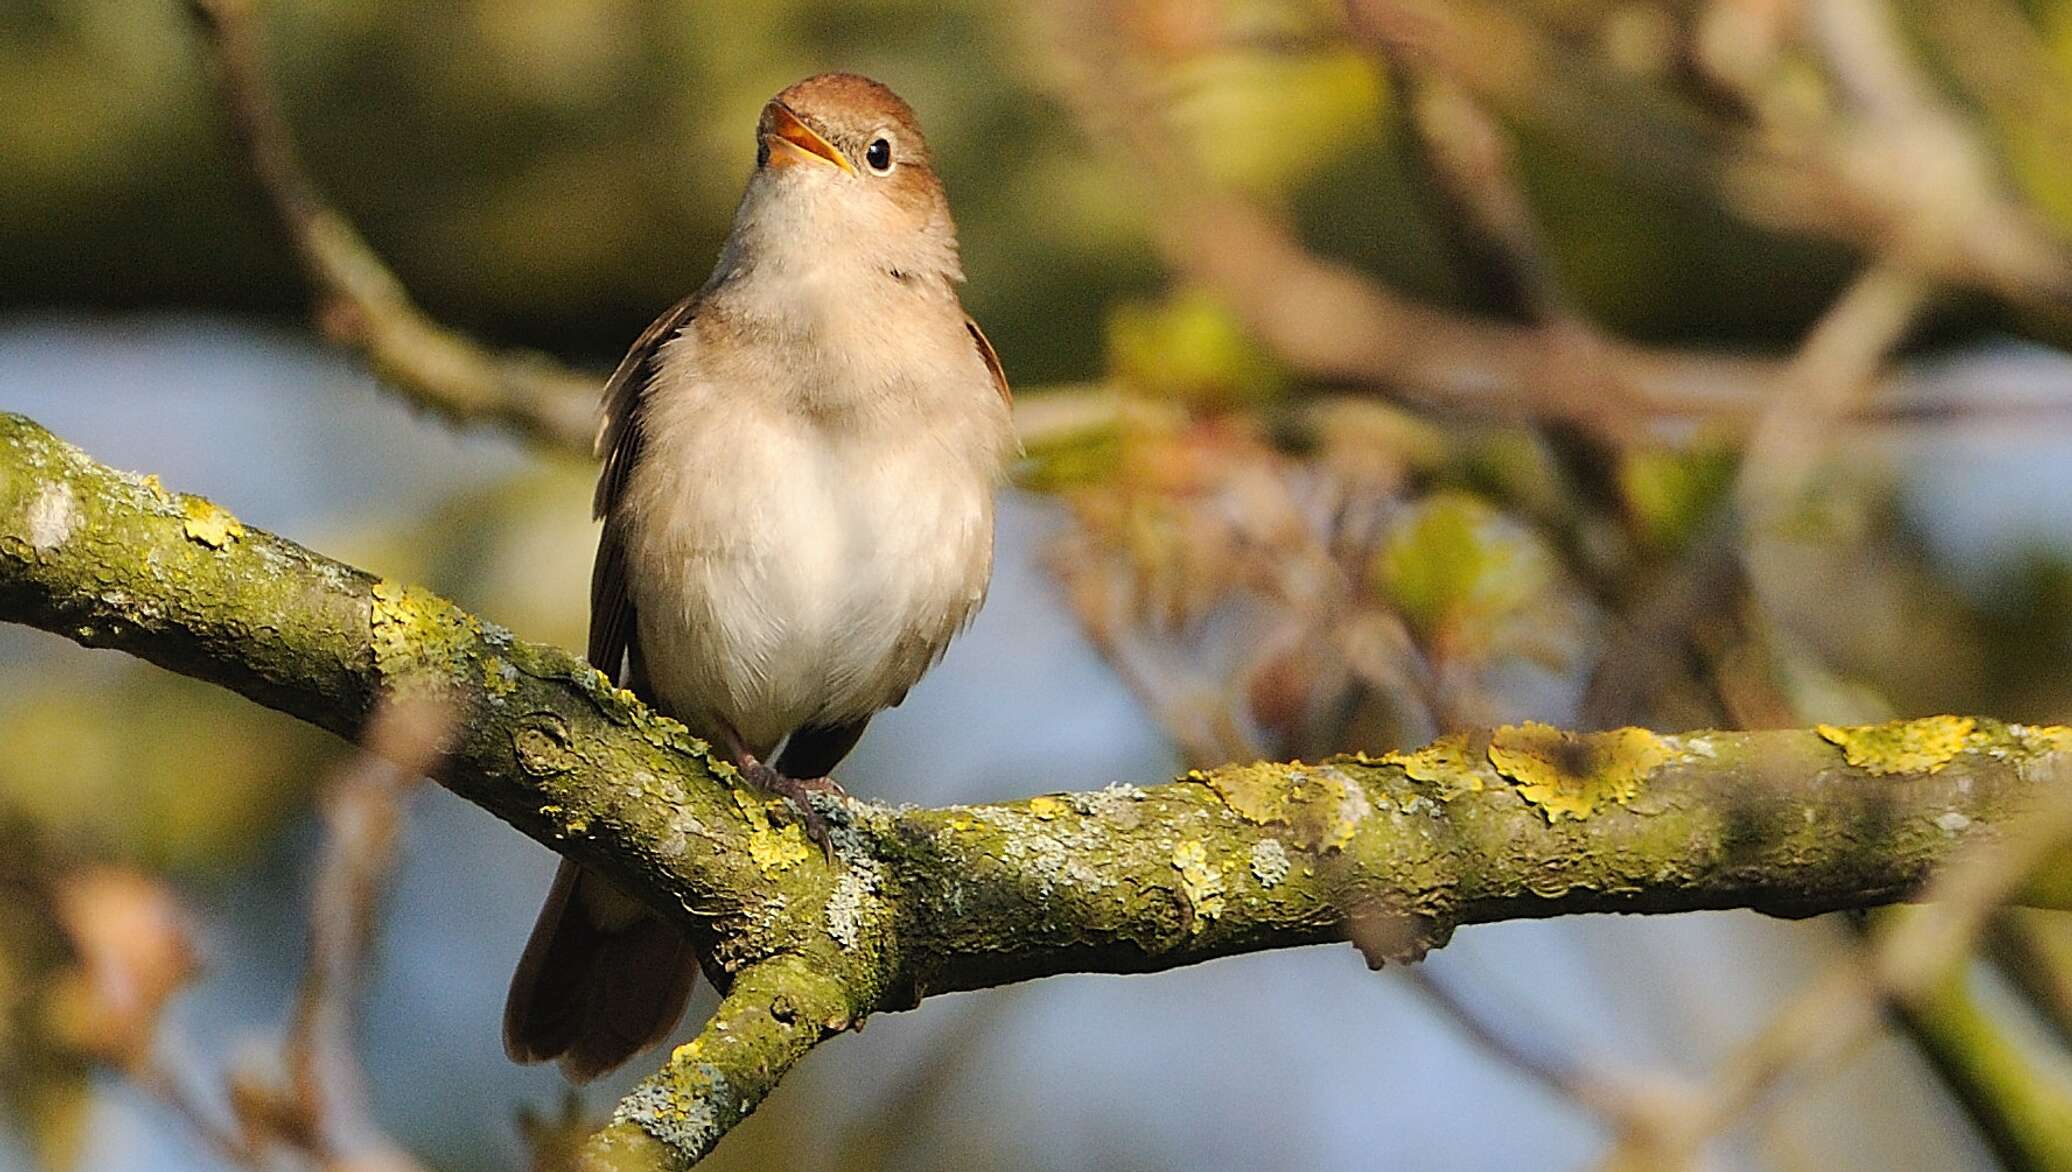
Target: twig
[[1845, 1004], [363, 811], [1630, 1104], [2034, 953], [360, 303], [1335, 324], [2022, 1107]]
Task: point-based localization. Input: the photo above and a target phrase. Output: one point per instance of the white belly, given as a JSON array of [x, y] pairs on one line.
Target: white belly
[[789, 571]]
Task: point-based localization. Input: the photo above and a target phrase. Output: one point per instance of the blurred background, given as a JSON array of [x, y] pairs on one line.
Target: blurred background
[[1385, 368]]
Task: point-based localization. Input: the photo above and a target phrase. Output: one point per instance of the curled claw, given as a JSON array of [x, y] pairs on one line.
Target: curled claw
[[797, 791]]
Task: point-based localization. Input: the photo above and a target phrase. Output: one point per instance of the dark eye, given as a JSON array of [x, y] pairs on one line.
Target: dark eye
[[878, 155]]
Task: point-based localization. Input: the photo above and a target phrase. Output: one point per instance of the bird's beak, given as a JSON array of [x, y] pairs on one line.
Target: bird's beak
[[792, 141]]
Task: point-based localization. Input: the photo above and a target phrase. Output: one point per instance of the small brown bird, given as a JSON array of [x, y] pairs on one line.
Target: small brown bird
[[797, 496]]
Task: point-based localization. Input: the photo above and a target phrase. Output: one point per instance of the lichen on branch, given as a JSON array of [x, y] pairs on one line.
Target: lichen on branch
[[1514, 822]]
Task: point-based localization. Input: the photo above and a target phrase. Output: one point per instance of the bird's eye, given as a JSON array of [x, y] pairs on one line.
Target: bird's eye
[[878, 155]]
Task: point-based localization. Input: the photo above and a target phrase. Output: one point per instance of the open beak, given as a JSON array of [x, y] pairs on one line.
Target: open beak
[[792, 141]]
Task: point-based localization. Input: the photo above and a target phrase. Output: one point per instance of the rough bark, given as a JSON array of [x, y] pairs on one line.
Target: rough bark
[[1392, 852]]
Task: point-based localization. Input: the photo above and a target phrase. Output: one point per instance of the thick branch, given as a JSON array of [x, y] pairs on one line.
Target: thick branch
[[1396, 852], [776, 1012]]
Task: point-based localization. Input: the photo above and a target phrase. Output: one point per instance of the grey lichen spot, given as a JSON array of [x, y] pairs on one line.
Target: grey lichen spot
[[1107, 802], [690, 1127], [1269, 862], [1953, 823], [53, 516], [851, 903], [1042, 854], [845, 911]]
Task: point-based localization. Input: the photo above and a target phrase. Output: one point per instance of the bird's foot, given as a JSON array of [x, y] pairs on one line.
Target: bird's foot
[[798, 791]]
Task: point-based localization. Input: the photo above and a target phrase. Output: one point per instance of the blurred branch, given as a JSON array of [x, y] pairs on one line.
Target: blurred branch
[[2034, 951], [2021, 1106], [1515, 822], [1911, 957], [1630, 1104], [1890, 169], [363, 814], [360, 303], [1828, 382], [1333, 323], [134, 949]]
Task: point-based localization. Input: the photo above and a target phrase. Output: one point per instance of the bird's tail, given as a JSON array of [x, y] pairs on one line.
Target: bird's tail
[[601, 979]]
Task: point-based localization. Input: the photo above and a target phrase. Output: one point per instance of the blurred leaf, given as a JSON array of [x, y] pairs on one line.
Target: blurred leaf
[[1266, 121], [1454, 563], [1190, 348], [134, 952], [1671, 492]]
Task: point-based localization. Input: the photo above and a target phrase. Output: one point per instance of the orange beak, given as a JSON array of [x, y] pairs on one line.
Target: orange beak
[[791, 141]]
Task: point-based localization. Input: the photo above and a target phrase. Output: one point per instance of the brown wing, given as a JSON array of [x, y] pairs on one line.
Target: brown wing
[[985, 351], [619, 441]]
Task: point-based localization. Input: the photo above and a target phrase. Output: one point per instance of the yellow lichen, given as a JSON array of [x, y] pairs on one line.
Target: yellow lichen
[[1200, 882], [1901, 746], [419, 637], [1258, 793], [1326, 810], [1445, 762], [778, 850], [1575, 773], [209, 523], [2042, 738], [499, 678], [1046, 807], [1318, 804]]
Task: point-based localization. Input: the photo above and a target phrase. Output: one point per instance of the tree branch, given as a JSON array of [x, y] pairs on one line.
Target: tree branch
[[776, 1012], [360, 303], [1516, 822]]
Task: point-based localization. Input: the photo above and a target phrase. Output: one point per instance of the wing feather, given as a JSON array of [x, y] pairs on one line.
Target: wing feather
[[986, 351], [619, 442]]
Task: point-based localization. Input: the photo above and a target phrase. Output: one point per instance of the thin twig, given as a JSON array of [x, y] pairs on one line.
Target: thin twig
[[360, 303], [1628, 1103], [363, 812], [1845, 1004], [1335, 324]]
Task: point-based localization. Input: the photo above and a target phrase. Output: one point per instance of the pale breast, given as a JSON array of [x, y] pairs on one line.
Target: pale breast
[[794, 566]]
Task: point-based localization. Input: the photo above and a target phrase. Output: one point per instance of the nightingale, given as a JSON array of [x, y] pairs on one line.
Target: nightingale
[[799, 463]]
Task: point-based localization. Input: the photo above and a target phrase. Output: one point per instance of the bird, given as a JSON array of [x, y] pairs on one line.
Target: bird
[[800, 462]]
